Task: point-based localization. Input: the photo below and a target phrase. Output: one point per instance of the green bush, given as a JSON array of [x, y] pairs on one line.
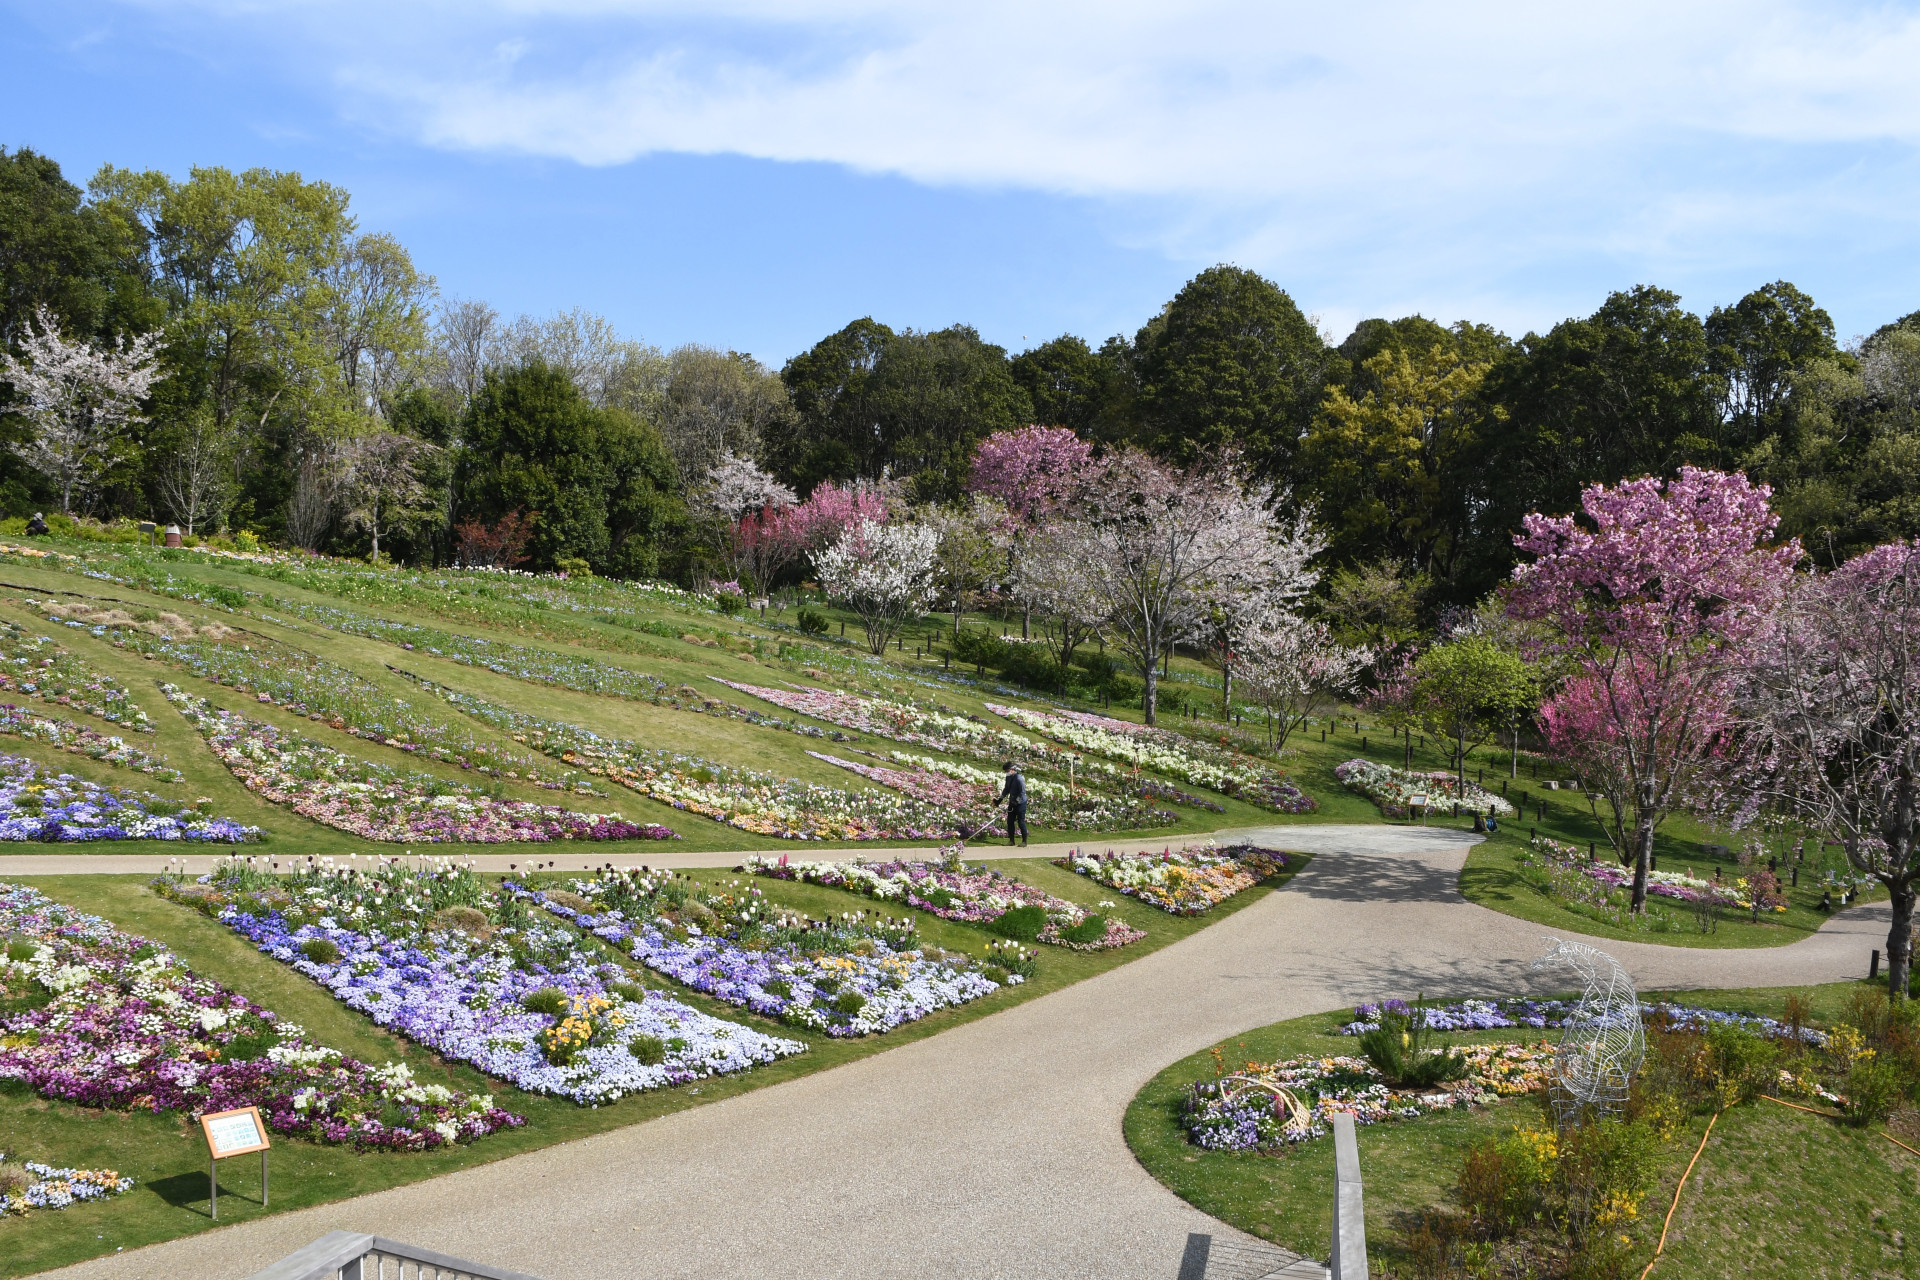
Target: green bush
[[648, 1050], [811, 621], [246, 1048], [1022, 924], [1092, 929], [320, 950], [778, 987], [1032, 665], [979, 649], [1743, 1064], [1873, 1089], [551, 1001], [631, 992], [1397, 1049], [729, 602], [21, 949], [850, 1002]]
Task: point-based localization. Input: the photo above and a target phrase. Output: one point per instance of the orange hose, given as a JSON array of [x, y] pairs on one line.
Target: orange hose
[[1812, 1111], [1896, 1142], [1659, 1248]]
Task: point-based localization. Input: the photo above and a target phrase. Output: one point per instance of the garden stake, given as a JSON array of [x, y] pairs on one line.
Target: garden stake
[[1676, 1194]]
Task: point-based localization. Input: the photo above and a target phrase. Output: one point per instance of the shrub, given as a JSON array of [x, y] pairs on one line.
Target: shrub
[[1032, 665], [245, 1048], [729, 602], [850, 1002], [551, 1001], [631, 992], [1503, 1179], [1873, 1086], [811, 621], [1743, 1065], [778, 987], [980, 649], [1092, 929], [1605, 1168], [1022, 924], [21, 949], [649, 1050], [320, 950], [468, 920], [1397, 1049], [571, 901]]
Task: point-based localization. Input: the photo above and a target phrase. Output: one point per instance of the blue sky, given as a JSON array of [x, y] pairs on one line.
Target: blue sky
[[753, 175]]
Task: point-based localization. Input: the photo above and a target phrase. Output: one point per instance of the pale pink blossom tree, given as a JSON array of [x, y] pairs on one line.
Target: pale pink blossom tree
[[1650, 601], [1832, 697], [1159, 549], [1295, 667], [80, 398], [888, 574], [1031, 470], [831, 509]]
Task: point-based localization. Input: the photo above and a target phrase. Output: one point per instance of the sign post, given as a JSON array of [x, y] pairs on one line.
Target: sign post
[[233, 1133]]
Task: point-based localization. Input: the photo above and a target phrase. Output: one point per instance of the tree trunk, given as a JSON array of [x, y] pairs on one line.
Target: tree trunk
[[1226, 686], [1513, 770], [1460, 761], [1150, 693], [1643, 848], [1900, 941]]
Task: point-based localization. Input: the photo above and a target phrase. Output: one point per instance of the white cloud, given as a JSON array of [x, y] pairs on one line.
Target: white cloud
[[1431, 140]]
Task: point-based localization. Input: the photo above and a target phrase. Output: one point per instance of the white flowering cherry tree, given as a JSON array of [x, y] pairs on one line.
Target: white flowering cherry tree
[[80, 398], [888, 574]]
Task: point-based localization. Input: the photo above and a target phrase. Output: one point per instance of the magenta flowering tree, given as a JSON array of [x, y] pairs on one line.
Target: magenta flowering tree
[[831, 509], [1031, 470], [1834, 692], [1650, 601]]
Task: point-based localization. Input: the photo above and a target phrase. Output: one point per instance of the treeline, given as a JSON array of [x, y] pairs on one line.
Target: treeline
[[318, 391]]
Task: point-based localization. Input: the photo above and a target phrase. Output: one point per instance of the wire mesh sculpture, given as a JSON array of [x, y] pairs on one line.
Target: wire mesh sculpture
[[1603, 1043], [1286, 1103]]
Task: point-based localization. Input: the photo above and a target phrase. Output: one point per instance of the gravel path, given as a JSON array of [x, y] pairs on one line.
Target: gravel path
[[993, 1149]]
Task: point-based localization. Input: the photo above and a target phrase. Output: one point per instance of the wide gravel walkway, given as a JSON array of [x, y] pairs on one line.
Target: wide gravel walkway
[[993, 1149]]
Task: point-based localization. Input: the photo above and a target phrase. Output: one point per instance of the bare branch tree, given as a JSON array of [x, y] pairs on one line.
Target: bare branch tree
[[382, 481], [195, 478], [316, 494]]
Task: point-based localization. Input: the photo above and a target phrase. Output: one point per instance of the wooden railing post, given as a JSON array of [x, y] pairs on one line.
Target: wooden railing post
[[1349, 1260]]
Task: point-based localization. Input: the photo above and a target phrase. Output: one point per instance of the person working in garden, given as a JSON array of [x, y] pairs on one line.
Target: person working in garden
[[37, 527], [1014, 792]]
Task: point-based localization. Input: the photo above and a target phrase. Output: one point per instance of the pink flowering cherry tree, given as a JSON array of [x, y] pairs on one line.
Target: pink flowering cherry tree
[[1032, 470], [1834, 691], [1651, 601]]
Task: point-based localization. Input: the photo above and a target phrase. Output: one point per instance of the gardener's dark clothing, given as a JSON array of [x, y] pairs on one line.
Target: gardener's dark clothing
[[36, 527], [1014, 792]]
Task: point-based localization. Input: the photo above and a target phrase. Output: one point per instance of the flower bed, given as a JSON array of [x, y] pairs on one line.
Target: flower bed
[[461, 984], [1165, 751], [1252, 1121], [964, 790], [956, 734], [1393, 789], [763, 803], [371, 800], [1610, 875], [1188, 883], [122, 1023], [38, 804], [281, 675], [1489, 1015], [36, 667], [972, 895], [41, 1186], [79, 740], [845, 977]]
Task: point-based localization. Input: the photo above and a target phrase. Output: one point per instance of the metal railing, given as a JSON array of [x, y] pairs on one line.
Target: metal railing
[[352, 1255], [1349, 1261]]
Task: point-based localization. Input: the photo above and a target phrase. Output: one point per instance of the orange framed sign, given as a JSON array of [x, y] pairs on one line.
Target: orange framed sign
[[234, 1133]]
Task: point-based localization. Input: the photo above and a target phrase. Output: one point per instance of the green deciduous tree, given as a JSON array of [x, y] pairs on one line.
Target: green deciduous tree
[[1465, 691]]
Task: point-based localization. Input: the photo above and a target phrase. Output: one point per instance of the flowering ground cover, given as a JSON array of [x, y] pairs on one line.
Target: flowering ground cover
[[1226, 1120], [1562, 860], [1491, 1015], [966, 790], [101, 1018], [39, 804], [1164, 751], [470, 972], [1392, 789], [971, 895], [30, 1185], [848, 976], [356, 795], [303, 683], [1188, 883], [37, 667], [763, 803], [945, 730], [79, 740]]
